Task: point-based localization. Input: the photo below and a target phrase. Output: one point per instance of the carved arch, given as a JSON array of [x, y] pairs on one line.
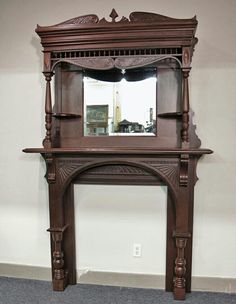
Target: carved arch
[[165, 170]]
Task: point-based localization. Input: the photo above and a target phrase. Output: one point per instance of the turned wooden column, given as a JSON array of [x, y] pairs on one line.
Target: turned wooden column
[[47, 142], [185, 99], [185, 118], [59, 274], [180, 265]]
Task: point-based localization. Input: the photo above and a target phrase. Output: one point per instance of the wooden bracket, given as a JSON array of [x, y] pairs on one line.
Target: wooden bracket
[[51, 168], [183, 170]]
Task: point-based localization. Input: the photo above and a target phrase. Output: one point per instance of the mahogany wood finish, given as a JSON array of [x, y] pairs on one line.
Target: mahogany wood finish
[[168, 158]]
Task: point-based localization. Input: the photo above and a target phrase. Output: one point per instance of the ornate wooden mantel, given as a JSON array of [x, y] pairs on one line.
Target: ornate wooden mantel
[[169, 158]]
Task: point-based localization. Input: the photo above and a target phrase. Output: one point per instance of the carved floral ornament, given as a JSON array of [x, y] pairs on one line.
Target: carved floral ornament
[[119, 63]]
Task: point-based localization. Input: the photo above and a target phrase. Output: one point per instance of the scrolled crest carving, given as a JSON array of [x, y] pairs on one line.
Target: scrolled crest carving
[[134, 17], [81, 20], [147, 17]]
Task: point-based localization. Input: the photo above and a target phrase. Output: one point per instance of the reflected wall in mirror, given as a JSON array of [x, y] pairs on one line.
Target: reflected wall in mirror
[[120, 102]]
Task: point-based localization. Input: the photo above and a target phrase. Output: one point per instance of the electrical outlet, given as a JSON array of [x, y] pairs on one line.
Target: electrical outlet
[[137, 250]]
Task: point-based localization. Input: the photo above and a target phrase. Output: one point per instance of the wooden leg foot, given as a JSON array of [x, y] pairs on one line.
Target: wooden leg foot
[[60, 284], [179, 294]]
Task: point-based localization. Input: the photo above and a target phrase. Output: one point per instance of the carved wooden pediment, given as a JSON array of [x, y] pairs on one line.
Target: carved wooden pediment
[[134, 17]]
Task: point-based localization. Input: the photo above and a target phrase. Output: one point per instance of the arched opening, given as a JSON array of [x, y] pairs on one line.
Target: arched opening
[[110, 222], [98, 177]]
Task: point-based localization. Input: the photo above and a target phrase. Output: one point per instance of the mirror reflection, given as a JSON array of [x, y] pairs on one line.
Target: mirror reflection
[[120, 103]]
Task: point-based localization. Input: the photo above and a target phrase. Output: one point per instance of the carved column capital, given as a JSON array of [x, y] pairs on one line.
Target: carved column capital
[[186, 72], [48, 75]]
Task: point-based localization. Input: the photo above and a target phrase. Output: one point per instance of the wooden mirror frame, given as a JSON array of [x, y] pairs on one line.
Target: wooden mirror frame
[[170, 159]]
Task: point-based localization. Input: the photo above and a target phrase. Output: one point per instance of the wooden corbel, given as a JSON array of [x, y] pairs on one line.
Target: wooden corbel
[[183, 170], [51, 168]]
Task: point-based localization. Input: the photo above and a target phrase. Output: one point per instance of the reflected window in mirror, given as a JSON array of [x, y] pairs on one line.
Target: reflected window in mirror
[[120, 102]]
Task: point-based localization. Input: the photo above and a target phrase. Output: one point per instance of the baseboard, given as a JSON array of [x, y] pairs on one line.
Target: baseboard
[[25, 272], [215, 284], [136, 280]]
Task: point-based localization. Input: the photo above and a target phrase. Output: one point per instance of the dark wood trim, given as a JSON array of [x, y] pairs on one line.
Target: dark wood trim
[[100, 151], [170, 247], [69, 238]]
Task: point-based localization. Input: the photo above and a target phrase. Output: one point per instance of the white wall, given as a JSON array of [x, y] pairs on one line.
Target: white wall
[[111, 219], [23, 190]]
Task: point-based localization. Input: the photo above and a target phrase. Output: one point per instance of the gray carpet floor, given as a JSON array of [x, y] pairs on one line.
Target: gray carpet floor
[[21, 291]]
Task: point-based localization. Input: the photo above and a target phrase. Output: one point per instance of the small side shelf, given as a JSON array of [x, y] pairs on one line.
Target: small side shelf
[[66, 115], [170, 115]]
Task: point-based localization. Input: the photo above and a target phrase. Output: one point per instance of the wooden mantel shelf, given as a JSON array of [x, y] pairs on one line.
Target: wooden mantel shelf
[[118, 151]]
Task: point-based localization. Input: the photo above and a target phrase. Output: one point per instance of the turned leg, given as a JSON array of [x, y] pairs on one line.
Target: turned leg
[[180, 266], [59, 274]]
